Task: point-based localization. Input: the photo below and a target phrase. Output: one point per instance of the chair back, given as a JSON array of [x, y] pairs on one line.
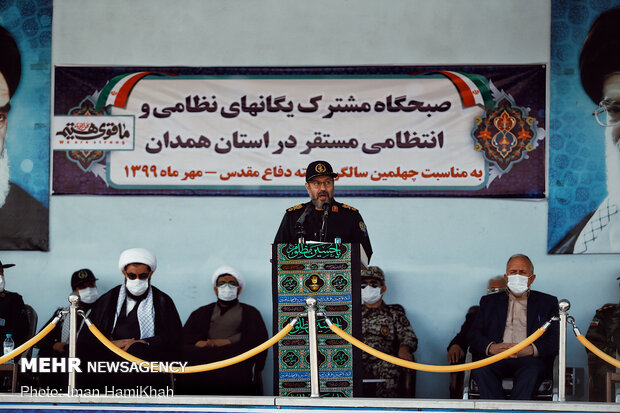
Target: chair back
[[33, 318]]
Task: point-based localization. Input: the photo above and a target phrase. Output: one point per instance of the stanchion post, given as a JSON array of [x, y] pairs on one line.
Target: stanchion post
[[312, 337], [564, 306], [73, 299]]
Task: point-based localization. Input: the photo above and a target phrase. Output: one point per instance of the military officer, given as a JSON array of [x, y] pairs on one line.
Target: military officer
[[323, 218], [387, 329], [604, 333]]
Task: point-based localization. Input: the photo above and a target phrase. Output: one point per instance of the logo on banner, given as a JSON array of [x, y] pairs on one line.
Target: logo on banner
[[504, 134], [91, 133]]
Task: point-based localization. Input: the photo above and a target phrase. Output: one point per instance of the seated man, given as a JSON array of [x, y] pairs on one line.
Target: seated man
[[505, 320], [220, 330], [387, 329], [458, 346], [604, 333], [56, 343], [138, 318], [13, 317]]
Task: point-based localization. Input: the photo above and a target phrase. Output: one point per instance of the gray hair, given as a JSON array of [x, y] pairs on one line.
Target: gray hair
[[525, 257]]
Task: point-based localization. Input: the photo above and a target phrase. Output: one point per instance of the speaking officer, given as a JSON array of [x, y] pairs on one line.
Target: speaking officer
[[323, 218]]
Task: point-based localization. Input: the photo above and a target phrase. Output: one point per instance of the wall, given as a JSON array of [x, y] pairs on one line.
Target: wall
[[437, 253]]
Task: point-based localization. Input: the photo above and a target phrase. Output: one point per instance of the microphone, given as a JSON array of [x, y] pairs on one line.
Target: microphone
[[322, 235], [299, 225]]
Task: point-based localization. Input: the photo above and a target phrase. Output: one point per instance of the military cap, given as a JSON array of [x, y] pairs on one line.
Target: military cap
[[600, 53], [82, 276], [374, 272], [10, 64], [319, 168]]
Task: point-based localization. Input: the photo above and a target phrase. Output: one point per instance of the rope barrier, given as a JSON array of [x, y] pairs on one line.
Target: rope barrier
[[438, 369], [198, 368], [587, 344], [34, 340]]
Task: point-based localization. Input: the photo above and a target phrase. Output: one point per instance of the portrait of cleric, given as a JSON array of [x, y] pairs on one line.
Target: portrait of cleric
[[585, 190], [23, 217]]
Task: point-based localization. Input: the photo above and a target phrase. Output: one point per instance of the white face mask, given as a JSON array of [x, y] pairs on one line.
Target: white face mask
[[227, 292], [517, 284], [88, 295], [1, 283], [137, 287], [371, 295]]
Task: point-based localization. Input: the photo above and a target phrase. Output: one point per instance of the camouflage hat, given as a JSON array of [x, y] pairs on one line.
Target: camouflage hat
[[374, 272], [319, 168]]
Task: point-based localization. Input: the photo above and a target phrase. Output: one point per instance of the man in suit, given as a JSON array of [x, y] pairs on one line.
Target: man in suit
[[506, 319], [458, 347]]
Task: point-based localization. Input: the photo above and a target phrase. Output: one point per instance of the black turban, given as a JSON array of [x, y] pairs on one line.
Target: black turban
[[10, 61]]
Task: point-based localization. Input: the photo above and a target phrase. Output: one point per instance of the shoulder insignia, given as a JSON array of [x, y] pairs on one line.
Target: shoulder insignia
[[608, 306], [348, 207], [363, 227], [294, 208], [594, 322]]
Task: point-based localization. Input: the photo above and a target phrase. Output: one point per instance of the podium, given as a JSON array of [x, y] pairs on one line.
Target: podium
[[330, 273]]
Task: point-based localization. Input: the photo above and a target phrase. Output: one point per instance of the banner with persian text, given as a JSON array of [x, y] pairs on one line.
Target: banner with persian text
[[461, 131]]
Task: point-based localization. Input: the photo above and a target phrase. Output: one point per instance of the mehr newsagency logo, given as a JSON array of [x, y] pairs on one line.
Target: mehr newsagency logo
[[44, 365]]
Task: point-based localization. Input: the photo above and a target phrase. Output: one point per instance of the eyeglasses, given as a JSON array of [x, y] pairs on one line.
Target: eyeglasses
[[373, 284], [317, 184], [142, 276], [608, 113], [229, 283]]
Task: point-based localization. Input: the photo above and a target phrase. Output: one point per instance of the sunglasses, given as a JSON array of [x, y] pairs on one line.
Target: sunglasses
[[373, 284], [142, 276]]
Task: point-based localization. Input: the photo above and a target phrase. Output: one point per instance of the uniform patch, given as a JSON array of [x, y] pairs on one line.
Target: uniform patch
[[294, 208], [334, 208], [363, 226], [385, 331], [594, 322]]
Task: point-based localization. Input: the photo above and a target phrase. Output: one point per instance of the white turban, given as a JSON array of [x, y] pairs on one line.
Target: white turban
[[226, 269], [137, 256]]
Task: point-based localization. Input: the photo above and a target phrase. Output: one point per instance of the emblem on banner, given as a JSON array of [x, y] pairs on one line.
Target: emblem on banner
[[314, 283], [504, 134]]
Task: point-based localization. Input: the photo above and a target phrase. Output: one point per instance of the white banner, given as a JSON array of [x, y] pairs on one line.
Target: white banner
[[384, 133]]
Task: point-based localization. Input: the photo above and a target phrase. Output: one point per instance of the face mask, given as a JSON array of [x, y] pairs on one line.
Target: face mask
[[227, 292], [137, 287], [517, 284], [88, 295], [371, 295], [1, 283]]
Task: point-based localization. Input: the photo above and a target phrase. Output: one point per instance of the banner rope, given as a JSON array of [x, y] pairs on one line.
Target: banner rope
[[587, 344], [34, 340], [198, 368], [439, 369]]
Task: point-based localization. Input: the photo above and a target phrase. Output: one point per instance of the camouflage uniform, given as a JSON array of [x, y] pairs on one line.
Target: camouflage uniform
[[604, 333], [385, 328]]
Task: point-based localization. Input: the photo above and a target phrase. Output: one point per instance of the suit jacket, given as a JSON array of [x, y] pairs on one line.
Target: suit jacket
[[490, 323]]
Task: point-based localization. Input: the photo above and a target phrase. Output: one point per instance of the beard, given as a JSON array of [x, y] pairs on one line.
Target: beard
[[4, 177], [319, 204], [612, 162]]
